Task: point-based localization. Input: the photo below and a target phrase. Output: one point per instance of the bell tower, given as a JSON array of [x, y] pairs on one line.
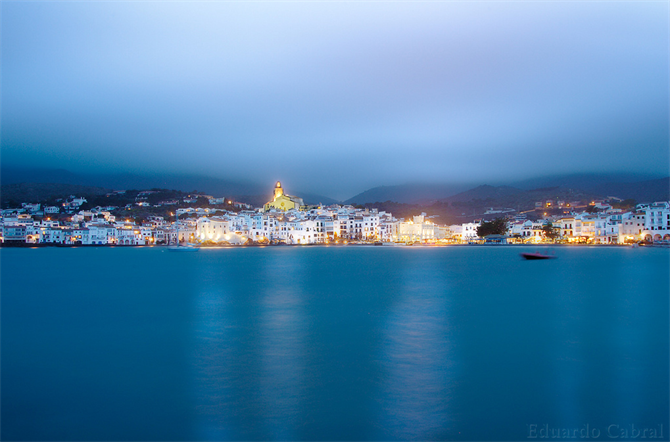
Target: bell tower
[[278, 190]]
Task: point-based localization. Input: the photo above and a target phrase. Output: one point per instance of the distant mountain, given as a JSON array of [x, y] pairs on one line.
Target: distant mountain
[[483, 197], [185, 183], [486, 192], [408, 193], [582, 181], [14, 175], [636, 186], [312, 199], [256, 194], [39, 192], [639, 187], [642, 191]]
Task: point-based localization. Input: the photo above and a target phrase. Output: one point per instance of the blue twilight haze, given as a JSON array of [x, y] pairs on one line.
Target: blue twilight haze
[[338, 96]]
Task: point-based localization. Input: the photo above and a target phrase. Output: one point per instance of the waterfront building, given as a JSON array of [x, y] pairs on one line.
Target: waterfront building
[[130, 237], [522, 229], [32, 234], [566, 227], [419, 229], [330, 226], [606, 231], [640, 222], [657, 221], [302, 232], [52, 236], [14, 233], [629, 231], [213, 229], [537, 233], [469, 230], [389, 230], [371, 225]]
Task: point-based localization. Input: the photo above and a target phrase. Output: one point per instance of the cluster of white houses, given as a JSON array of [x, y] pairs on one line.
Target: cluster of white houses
[[648, 222], [287, 220]]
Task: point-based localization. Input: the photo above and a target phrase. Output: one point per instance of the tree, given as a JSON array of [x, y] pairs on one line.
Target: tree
[[550, 231], [496, 227], [201, 202], [625, 204]]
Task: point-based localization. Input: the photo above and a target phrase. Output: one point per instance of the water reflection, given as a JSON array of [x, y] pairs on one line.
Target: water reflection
[[213, 355], [420, 346], [418, 359], [249, 350], [282, 342], [567, 371], [605, 342], [636, 310]]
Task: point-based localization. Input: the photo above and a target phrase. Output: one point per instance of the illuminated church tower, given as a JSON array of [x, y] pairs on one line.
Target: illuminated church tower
[[281, 201], [278, 191]]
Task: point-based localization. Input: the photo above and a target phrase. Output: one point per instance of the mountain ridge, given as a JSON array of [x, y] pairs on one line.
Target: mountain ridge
[[409, 193], [187, 183], [621, 185]]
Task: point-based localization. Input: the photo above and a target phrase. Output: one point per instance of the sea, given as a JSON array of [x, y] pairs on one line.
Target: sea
[[334, 343]]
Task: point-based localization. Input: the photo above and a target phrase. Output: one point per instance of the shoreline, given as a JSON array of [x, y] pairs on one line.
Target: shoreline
[[20, 245]]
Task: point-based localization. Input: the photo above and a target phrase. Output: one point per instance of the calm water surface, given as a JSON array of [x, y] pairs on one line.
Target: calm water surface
[[318, 343]]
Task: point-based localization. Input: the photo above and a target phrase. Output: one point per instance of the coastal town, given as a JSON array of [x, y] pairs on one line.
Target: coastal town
[[287, 220]]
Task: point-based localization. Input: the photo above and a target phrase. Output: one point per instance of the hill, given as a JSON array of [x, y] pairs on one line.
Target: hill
[[483, 197], [249, 192], [582, 181], [639, 187], [15, 194], [122, 181], [642, 191], [487, 192], [412, 193]]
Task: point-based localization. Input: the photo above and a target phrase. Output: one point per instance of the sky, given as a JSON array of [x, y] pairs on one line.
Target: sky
[[337, 97]]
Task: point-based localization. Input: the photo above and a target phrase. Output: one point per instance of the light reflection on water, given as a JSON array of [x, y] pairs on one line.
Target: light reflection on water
[[600, 341], [634, 305], [249, 359], [213, 389], [418, 359], [567, 359], [282, 331]]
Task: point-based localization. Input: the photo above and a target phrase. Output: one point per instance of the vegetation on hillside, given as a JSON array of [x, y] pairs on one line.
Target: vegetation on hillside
[[497, 226], [13, 195]]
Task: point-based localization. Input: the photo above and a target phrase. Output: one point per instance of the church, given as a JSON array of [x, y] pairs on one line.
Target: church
[[281, 201]]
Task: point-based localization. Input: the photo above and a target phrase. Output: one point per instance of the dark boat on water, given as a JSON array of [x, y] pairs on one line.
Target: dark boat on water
[[537, 255]]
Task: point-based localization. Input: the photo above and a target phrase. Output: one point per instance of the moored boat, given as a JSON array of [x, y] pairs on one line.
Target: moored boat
[[536, 255]]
